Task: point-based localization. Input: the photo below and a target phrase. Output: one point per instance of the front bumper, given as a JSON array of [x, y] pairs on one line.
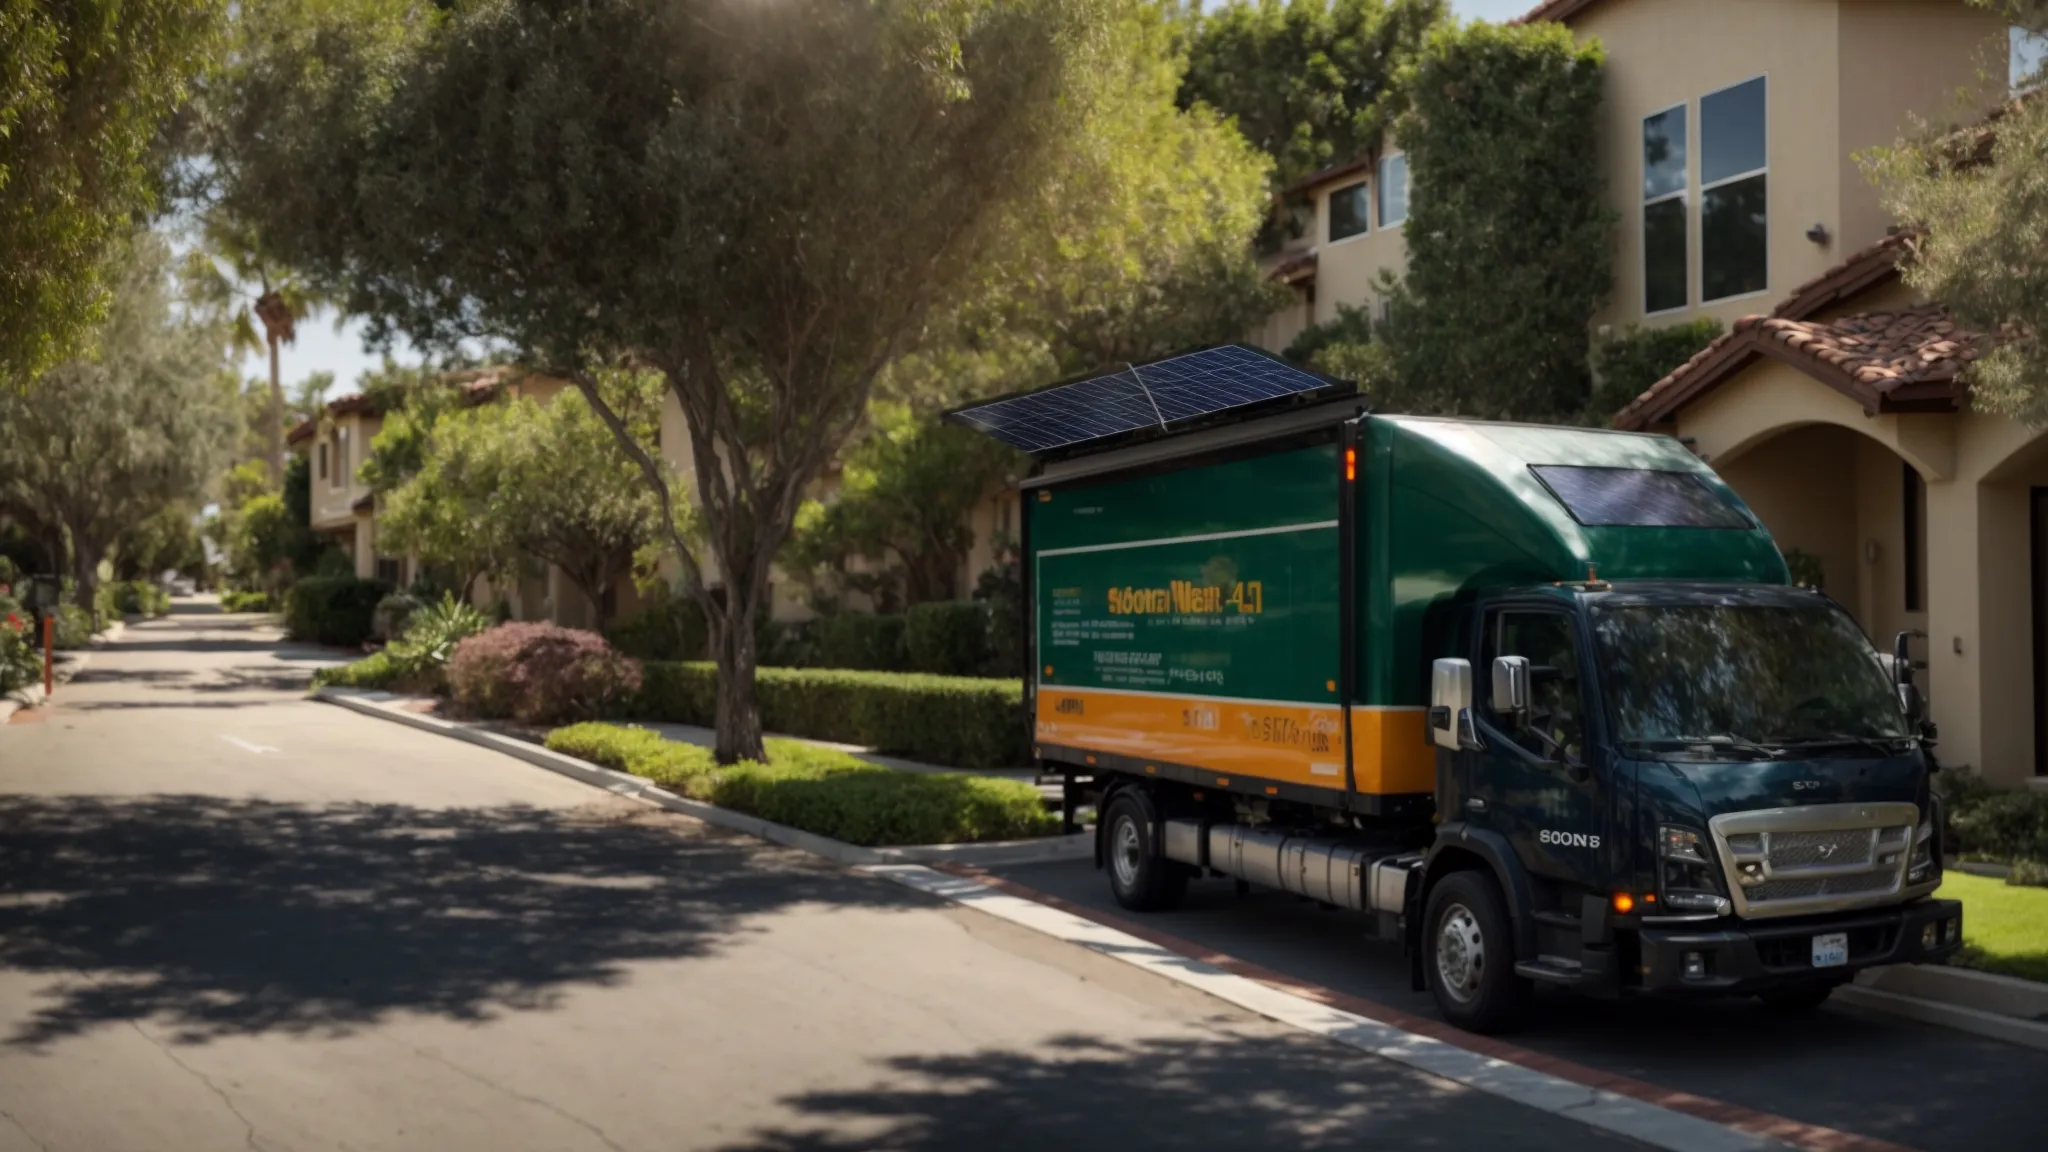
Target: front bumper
[[1739, 957]]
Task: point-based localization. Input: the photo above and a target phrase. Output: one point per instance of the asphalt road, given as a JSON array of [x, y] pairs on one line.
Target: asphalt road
[[1842, 1068], [231, 917]]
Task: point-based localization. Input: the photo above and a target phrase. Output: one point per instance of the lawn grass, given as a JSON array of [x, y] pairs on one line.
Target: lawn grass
[[2005, 927]]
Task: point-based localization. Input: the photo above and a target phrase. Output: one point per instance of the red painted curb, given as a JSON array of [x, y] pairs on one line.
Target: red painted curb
[[1796, 1133]]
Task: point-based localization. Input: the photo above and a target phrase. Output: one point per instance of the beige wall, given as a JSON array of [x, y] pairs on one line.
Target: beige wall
[[1665, 52], [1978, 470], [1907, 58], [1348, 270], [333, 499]]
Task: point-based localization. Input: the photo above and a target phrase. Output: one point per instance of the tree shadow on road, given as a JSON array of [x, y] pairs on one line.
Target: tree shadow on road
[[214, 916], [1223, 1092]]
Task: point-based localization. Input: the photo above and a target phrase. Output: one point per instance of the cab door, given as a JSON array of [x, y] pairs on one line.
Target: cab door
[[1533, 781]]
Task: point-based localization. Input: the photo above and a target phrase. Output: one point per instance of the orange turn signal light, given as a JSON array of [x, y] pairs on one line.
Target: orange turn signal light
[[1624, 903], [1351, 464]]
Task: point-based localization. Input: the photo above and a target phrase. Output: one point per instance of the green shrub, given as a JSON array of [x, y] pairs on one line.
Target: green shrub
[[822, 791], [2028, 873], [422, 652], [858, 640], [377, 670], [334, 610], [74, 627], [237, 601], [2004, 826], [670, 628], [947, 638], [21, 660], [951, 720], [131, 598], [388, 619]]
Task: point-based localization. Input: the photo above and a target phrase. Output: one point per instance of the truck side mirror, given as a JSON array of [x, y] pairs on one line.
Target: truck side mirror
[[1900, 665], [1450, 705], [1511, 689], [1910, 702]]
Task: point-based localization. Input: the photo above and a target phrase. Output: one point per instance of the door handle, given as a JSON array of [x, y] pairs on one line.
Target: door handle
[[1475, 804]]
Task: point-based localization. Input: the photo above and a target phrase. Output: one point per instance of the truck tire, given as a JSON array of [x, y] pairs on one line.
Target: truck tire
[[1468, 944], [1797, 998], [1139, 878]]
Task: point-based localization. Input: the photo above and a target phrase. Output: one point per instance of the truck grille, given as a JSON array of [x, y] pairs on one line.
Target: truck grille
[[1788, 861]]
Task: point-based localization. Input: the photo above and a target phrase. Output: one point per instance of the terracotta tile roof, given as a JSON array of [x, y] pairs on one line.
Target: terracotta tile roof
[[1335, 171], [1887, 361], [1292, 269], [1787, 332], [477, 384]]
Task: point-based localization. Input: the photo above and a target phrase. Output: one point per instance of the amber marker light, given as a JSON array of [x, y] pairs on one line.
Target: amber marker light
[[1624, 903], [1351, 463]]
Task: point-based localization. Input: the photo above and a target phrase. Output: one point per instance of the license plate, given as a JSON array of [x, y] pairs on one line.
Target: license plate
[[1831, 950]]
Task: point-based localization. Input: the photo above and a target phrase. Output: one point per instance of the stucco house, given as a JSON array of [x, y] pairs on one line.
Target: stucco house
[[1728, 133]]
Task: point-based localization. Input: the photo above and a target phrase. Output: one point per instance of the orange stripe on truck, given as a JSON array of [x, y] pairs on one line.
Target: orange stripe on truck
[[1290, 743]]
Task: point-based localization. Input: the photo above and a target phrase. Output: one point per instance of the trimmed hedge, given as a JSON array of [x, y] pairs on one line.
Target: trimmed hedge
[[132, 598], [377, 670], [333, 610], [858, 640], [948, 638], [237, 601], [821, 791], [951, 720], [540, 674]]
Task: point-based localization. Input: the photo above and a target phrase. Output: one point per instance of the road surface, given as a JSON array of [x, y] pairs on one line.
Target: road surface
[[234, 918]]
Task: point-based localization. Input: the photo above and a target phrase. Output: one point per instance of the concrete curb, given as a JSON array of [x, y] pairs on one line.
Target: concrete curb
[[2025, 1033], [2024, 1000], [1075, 847], [68, 664]]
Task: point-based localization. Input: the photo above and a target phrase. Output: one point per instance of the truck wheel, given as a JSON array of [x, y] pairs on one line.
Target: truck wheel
[[1139, 878], [1794, 998], [1469, 954]]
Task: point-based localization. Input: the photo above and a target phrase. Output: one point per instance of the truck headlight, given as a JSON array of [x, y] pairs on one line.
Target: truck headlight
[[1687, 880], [1921, 866]]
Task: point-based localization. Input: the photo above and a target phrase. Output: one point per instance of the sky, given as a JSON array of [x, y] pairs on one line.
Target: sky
[[321, 348]]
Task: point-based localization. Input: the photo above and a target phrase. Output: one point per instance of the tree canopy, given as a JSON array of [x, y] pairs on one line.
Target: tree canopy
[[1309, 82], [87, 89], [1979, 200], [146, 419], [1509, 235], [762, 203], [520, 477]]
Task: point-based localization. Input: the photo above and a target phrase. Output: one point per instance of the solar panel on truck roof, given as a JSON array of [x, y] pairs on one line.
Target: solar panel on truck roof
[[1140, 396]]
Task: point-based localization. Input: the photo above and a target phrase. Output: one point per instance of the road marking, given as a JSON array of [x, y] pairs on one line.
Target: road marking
[[245, 746]]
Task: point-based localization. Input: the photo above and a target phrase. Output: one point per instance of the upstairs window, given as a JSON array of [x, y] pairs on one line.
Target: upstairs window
[[1734, 217], [1348, 210], [2027, 52], [1393, 185], [321, 455], [1664, 183]]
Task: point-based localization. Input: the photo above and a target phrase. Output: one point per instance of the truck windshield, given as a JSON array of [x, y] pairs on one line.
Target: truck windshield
[[1750, 678]]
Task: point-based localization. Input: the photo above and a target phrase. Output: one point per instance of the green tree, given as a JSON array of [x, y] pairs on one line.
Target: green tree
[[762, 203], [902, 503], [103, 442], [1508, 237], [1980, 202], [1309, 82], [87, 89], [167, 540], [547, 481], [1626, 363]]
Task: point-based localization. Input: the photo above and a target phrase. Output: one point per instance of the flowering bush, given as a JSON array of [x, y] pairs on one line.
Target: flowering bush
[[540, 674], [20, 665]]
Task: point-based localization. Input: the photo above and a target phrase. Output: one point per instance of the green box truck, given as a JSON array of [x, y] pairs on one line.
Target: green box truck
[[1541, 701]]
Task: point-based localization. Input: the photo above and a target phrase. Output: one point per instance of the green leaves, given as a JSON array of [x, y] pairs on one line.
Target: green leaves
[[1308, 82], [1508, 236]]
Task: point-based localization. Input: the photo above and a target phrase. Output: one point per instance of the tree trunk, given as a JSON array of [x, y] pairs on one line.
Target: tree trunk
[[276, 420], [85, 574], [739, 713]]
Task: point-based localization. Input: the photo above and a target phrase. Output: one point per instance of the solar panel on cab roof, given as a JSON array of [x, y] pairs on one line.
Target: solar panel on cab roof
[[1155, 395]]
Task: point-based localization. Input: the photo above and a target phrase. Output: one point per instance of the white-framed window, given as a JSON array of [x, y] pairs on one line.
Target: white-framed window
[[1666, 175], [1734, 191], [1349, 209], [338, 473], [1393, 191]]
